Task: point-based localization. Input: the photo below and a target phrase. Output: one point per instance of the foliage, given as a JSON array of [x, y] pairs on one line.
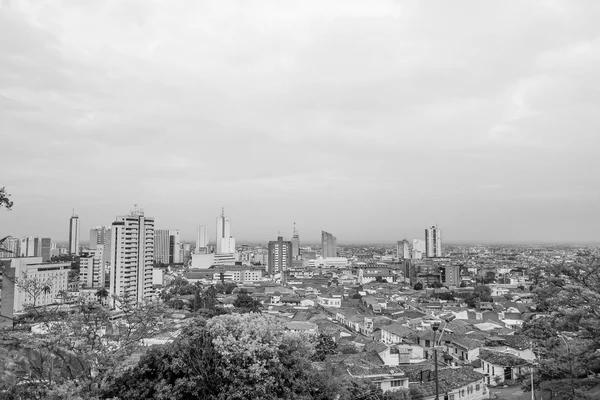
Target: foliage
[[246, 303], [418, 286], [72, 352], [324, 346], [5, 201], [237, 356], [225, 287], [567, 335]]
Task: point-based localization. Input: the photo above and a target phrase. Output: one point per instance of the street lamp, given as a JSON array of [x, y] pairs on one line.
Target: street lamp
[[435, 326], [570, 365]]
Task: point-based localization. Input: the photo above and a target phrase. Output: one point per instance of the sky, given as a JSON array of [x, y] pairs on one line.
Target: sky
[[368, 119]]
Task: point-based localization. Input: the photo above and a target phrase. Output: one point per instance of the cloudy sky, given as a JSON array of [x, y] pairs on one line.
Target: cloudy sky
[[368, 119]]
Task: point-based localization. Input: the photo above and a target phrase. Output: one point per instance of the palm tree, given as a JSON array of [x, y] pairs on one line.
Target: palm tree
[[101, 294]]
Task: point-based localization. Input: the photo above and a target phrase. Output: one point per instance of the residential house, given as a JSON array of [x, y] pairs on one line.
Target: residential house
[[396, 333], [454, 384], [500, 366]]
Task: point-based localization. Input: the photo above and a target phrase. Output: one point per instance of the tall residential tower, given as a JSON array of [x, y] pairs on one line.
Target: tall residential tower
[[433, 242], [225, 243], [74, 234], [132, 256]]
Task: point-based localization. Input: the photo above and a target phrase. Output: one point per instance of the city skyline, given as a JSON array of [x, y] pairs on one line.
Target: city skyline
[[301, 112]]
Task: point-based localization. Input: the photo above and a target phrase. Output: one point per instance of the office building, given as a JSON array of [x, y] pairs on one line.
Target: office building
[[402, 250], [167, 246], [280, 256], [14, 299], [227, 246], [27, 247], [224, 232], [202, 240], [92, 268], [74, 235], [328, 245], [433, 242], [46, 249], [132, 256]]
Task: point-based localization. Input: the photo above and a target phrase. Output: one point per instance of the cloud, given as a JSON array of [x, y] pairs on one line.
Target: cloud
[[340, 113]]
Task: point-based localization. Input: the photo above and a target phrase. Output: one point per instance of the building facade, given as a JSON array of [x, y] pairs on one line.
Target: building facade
[[92, 268], [433, 242], [402, 250], [328, 245], [223, 232], [202, 240], [280, 256], [132, 256], [74, 235]]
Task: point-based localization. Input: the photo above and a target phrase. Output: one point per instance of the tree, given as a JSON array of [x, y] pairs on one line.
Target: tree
[[490, 277], [246, 303], [567, 336], [5, 199], [324, 346], [236, 356], [76, 350], [418, 286]]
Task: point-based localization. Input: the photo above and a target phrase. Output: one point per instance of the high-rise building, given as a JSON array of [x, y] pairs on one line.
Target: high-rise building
[[46, 249], [132, 256], [224, 232], [27, 247], [295, 244], [328, 245], [10, 248], [92, 268], [433, 242], [74, 235], [402, 250], [100, 235], [418, 249], [202, 240], [280, 256], [167, 246]]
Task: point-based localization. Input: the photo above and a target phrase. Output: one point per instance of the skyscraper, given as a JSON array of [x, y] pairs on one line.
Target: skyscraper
[[224, 232], [92, 268], [328, 245], [295, 244], [433, 242], [202, 239], [402, 250], [280, 257], [418, 249], [46, 249], [74, 235], [167, 246], [100, 235], [132, 256]]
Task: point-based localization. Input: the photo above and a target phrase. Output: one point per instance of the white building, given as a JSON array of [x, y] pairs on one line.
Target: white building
[[418, 249], [132, 256], [227, 246], [223, 232], [47, 281], [202, 239], [402, 250], [100, 235], [92, 268], [74, 235]]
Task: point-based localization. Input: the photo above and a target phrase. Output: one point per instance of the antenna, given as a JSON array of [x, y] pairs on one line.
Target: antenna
[[295, 233], [223, 212]]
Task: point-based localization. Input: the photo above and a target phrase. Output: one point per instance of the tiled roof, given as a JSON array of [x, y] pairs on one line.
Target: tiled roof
[[399, 330], [501, 359], [450, 379]]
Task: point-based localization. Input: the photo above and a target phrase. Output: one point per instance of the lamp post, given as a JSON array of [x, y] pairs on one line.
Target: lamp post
[[570, 365], [435, 326]]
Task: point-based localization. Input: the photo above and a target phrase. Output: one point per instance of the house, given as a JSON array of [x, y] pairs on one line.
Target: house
[[454, 384], [397, 354], [386, 378], [330, 301], [302, 327], [465, 347], [519, 345], [395, 333], [500, 366]]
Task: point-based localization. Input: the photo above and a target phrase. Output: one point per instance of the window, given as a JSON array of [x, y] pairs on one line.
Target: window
[[477, 387], [396, 383], [488, 368], [427, 343]]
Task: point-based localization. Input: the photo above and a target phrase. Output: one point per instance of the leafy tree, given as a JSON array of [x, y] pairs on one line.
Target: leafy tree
[[418, 286], [246, 303], [489, 277], [225, 287], [324, 346], [76, 350], [5, 199]]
